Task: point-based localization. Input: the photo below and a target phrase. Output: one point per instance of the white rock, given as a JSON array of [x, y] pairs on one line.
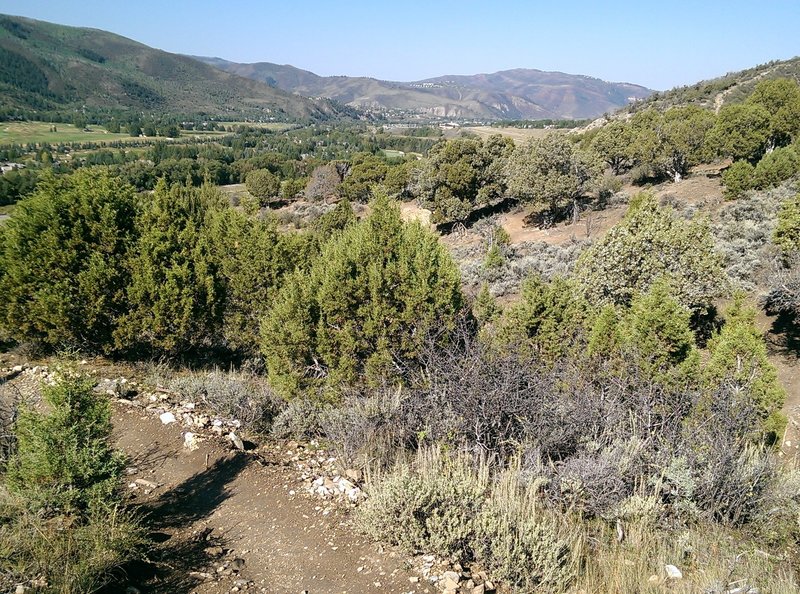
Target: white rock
[[17, 369], [140, 482], [236, 440], [190, 441], [673, 572], [167, 418]]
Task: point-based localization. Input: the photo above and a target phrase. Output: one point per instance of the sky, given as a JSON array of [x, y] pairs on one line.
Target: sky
[[659, 45]]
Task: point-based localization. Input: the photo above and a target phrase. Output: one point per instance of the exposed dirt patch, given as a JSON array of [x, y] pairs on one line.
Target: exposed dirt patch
[[286, 540]]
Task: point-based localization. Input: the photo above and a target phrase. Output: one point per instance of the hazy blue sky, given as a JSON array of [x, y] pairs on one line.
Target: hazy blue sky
[[656, 44]]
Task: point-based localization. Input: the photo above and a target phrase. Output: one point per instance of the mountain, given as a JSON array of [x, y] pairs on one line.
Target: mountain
[[44, 66], [510, 94]]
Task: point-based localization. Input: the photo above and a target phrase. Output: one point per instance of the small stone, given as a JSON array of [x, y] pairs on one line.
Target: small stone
[[413, 579], [673, 572], [451, 575], [20, 589], [654, 579], [167, 418], [214, 551], [236, 440], [479, 589], [353, 474], [190, 441], [238, 563], [145, 483], [18, 369]]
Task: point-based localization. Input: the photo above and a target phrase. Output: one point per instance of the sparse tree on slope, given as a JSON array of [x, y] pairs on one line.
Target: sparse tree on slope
[[549, 171], [649, 243]]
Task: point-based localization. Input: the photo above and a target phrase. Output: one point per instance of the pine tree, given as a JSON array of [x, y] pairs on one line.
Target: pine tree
[[64, 460], [62, 278], [364, 307], [175, 295], [738, 357], [547, 318]]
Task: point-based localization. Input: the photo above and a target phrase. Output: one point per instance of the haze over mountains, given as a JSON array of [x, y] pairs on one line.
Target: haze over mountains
[[511, 94]]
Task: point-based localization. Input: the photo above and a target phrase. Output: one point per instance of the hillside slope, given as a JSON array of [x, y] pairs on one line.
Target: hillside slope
[[44, 66], [729, 88], [511, 94]]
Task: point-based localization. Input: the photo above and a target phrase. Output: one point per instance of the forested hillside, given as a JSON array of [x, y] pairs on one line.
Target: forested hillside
[[53, 68]]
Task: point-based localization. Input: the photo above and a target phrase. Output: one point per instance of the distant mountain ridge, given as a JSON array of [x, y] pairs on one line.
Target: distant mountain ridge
[[44, 66], [511, 94]]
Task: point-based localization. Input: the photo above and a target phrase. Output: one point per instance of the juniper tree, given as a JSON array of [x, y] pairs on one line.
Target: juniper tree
[[364, 307]]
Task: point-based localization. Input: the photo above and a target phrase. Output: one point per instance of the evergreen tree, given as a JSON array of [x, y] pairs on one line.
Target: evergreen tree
[[547, 318], [652, 242], [64, 460], [787, 231], [364, 307], [656, 330], [738, 357], [738, 179], [62, 255], [175, 295], [252, 258]]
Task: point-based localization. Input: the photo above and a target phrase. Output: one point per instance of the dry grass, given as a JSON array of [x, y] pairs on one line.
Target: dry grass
[[520, 135]]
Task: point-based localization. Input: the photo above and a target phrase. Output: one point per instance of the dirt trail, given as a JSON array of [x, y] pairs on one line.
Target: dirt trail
[[216, 497], [719, 98]]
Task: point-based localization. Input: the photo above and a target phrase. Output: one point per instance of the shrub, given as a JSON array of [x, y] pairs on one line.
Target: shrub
[[738, 179], [175, 294], [64, 459], [520, 543], [649, 243], [738, 355], [364, 306], [775, 167], [61, 261], [787, 231], [428, 507], [60, 518], [263, 185], [235, 395]]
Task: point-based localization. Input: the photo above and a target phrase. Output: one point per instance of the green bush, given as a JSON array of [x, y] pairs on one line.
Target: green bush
[[60, 514], [738, 179], [175, 293], [738, 355], [787, 231], [649, 243], [364, 307], [64, 459], [775, 167], [62, 257], [263, 185]]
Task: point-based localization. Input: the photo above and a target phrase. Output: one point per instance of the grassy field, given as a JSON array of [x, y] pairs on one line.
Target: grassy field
[[39, 132], [517, 134], [274, 126]]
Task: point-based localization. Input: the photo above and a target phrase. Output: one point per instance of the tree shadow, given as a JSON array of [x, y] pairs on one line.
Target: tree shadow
[[784, 336], [176, 562], [198, 496]]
